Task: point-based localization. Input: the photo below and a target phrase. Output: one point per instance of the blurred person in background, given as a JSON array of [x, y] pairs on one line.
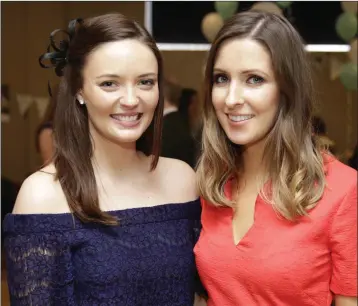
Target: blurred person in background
[[44, 134], [177, 140], [353, 160], [189, 106], [320, 132]]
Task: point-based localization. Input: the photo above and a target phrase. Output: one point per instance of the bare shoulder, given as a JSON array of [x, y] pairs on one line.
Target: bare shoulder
[[179, 178], [40, 193]]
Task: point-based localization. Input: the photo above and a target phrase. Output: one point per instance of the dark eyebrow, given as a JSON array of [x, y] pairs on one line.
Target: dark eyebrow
[[108, 76], [148, 74], [116, 76], [218, 70], [254, 71], [248, 71]]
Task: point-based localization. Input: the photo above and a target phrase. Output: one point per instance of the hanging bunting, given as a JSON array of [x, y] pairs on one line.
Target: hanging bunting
[[24, 103], [42, 104]]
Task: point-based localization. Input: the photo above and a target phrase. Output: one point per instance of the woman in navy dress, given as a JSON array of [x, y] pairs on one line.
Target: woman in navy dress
[[109, 222]]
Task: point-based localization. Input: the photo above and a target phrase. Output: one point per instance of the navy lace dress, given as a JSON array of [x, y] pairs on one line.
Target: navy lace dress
[[55, 259]]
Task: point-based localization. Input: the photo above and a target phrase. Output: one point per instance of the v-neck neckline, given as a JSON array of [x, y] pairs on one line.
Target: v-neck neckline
[[229, 195], [249, 230]]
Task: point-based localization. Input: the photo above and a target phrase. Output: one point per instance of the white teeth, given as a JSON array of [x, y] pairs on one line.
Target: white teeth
[[240, 118], [126, 118]]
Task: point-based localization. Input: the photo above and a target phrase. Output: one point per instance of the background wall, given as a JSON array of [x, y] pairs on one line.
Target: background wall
[[25, 31]]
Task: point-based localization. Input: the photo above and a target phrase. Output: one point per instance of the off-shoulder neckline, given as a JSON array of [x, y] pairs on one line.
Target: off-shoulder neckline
[[115, 211], [40, 223]]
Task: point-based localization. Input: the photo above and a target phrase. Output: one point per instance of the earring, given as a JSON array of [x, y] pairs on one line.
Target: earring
[[80, 100]]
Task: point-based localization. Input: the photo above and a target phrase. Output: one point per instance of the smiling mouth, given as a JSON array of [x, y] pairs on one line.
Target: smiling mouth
[[127, 118], [240, 118]]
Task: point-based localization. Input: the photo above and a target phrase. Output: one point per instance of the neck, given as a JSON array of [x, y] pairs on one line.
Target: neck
[[253, 161], [112, 161]]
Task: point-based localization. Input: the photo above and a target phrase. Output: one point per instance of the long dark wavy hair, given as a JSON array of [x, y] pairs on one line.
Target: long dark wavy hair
[[73, 145]]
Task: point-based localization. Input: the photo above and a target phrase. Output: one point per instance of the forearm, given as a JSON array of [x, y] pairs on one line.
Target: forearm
[[345, 301]]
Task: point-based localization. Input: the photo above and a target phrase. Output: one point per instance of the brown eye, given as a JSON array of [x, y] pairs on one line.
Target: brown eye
[[147, 82], [107, 84]]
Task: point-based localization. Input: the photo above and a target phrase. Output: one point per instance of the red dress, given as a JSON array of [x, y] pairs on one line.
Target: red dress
[[279, 262]]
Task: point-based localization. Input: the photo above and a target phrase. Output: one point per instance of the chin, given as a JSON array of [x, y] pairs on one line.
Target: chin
[[239, 142], [241, 138], [246, 141], [129, 134], [127, 137]]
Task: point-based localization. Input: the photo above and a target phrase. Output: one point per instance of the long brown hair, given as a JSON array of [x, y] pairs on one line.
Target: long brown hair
[[74, 148], [295, 168]]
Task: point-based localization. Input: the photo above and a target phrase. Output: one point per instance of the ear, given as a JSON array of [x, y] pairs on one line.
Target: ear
[[80, 99]]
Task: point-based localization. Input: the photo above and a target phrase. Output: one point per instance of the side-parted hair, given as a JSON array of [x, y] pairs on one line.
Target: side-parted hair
[[295, 163], [74, 147]]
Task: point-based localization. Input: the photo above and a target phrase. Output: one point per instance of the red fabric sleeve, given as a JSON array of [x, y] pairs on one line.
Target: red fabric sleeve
[[343, 239]]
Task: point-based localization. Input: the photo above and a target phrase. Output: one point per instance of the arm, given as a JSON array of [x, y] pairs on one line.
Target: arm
[[38, 256], [201, 295], [343, 243], [346, 301], [39, 270], [199, 301]]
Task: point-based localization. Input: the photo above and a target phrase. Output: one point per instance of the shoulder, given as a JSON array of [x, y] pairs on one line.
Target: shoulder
[[339, 176], [40, 193], [173, 169], [340, 194], [178, 177]]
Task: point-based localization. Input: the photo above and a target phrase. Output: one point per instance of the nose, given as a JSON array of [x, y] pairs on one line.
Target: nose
[[235, 95], [129, 98]]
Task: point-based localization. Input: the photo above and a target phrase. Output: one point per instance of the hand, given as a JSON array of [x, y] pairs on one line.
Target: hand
[[199, 301]]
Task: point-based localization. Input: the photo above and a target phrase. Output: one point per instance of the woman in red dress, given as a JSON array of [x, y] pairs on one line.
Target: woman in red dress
[[279, 212]]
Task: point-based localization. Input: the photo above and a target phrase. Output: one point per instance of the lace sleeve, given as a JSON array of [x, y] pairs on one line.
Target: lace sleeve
[[196, 230], [39, 269], [199, 288]]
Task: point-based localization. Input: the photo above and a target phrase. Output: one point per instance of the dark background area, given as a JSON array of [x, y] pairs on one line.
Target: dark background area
[[180, 22]]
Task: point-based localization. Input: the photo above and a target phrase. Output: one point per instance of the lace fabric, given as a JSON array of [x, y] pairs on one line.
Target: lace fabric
[[55, 259]]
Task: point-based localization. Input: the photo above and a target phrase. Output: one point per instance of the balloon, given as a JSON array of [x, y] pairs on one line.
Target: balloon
[[267, 7], [284, 4], [348, 76], [349, 6], [210, 25], [346, 26], [226, 9], [353, 53]]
